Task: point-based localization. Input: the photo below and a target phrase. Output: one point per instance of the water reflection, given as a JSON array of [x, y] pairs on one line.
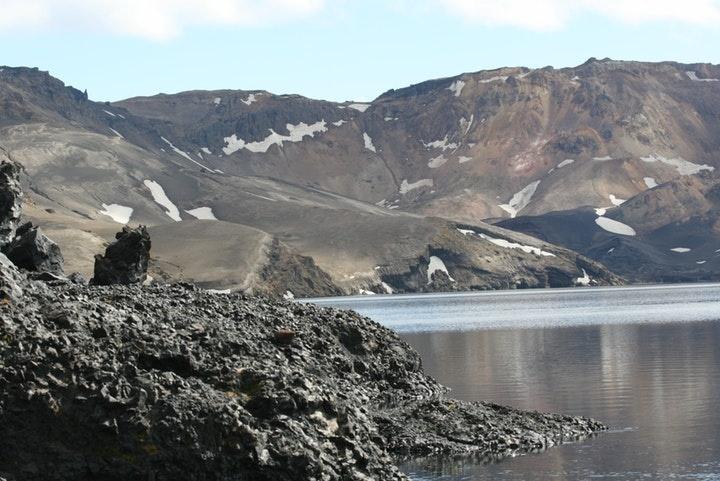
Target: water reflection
[[658, 385]]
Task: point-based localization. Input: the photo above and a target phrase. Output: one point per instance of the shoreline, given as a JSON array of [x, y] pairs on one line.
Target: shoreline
[[175, 382]]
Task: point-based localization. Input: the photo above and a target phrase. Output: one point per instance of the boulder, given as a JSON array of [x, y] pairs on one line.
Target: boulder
[[34, 251], [10, 199], [125, 260], [10, 279]]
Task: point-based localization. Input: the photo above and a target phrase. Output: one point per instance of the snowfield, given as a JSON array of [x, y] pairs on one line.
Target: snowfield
[[615, 227], [182, 153], [438, 161], [359, 107], [499, 78], [119, 213], [457, 87], [161, 198], [692, 75], [369, 142], [297, 133], [520, 200], [202, 213], [252, 98], [684, 167], [436, 264], [506, 244], [406, 187], [443, 144], [584, 280], [615, 201]]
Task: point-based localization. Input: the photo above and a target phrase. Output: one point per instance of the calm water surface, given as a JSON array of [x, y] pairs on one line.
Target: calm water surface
[[646, 361]]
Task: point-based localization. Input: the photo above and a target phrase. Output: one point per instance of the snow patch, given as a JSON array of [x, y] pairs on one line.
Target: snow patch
[[217, 100], [601, 211], [109, 113], [219, 291], [692, 75], [506, 244], [339, 123], [650, 182], [116, 133], [700, 262], [462, 159], [466, 231], [436, 264], [297, 133], [161, 198], [520, 200], [603, 159], [615, 227], [359, 107], [615, 201], [288, 296], [681, 250], [202, 213], [443, 144], [465, 125], [499, 78], [406, 187], [584, 280], [565, 163], [119, 213], [369, 142], [182, 153], [684, 167], [437, 161], [387, 288], [457, 87], [365, 292], [206, 150], [252, 98]]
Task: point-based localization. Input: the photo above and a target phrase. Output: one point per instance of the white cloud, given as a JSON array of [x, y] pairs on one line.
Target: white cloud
[[152, 19], [554, 14]]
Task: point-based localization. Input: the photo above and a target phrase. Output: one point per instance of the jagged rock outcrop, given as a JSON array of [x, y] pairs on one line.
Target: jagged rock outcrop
[[175, 383], [34, 251], [10, 280], [10, 198], [125, 260]]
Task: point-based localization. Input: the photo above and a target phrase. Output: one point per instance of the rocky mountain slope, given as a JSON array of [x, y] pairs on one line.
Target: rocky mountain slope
[[272, 214], [670, 233]]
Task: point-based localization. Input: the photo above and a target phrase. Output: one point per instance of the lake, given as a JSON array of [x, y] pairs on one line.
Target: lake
[[644, 360]]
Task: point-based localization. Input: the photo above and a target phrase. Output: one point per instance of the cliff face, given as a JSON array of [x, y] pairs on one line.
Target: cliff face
[[172, 382]]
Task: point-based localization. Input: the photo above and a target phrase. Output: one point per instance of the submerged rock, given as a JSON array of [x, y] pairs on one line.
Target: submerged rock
[[34, 251], [125, 260], [10, 198], [175, 383]]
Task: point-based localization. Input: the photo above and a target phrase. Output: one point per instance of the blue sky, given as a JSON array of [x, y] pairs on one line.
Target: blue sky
[[336, 49]]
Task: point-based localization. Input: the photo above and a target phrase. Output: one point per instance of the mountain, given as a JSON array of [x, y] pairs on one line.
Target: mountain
[[670, 233], [286, 214], [483, 145]]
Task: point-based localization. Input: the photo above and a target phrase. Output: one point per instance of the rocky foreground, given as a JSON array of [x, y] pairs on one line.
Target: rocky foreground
[[177, 383]]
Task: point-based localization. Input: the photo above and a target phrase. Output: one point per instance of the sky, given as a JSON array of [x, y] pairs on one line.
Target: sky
[[336, 49]]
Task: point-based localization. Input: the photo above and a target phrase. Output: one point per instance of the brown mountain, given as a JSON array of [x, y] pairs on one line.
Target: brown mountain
[[371, 192]]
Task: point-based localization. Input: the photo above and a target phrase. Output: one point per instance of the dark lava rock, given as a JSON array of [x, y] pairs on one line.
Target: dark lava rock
[[10, 198], [125, 260], [175, 383], [10, 280], [34, 251]]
